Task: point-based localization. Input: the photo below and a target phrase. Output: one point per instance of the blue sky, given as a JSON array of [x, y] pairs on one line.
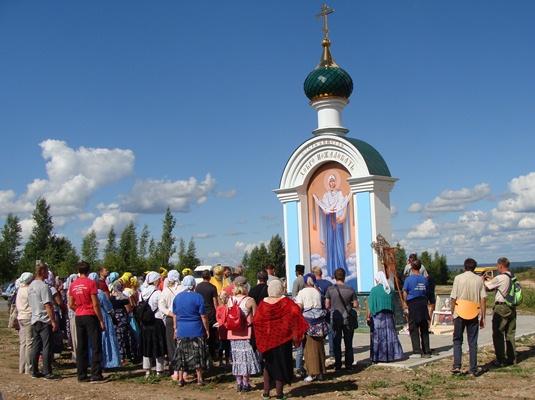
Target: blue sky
[[113, 109]]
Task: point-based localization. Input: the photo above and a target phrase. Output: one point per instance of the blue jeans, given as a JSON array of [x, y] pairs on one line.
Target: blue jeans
[[299, 358], [472, 331]]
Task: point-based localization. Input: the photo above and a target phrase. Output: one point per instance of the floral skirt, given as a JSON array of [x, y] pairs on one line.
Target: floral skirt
[[384, 341], [244, 359], [191, 354]]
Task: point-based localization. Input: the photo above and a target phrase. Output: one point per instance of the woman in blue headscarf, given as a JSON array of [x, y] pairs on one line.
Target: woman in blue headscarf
[[110, 346]]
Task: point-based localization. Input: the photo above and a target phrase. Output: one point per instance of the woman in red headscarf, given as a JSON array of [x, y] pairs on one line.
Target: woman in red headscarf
[[278, 323]]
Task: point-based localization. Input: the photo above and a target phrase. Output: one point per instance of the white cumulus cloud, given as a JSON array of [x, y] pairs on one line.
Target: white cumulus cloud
[[454, 200], [73, 176], [427, 229], [111, 216], [154, 196]]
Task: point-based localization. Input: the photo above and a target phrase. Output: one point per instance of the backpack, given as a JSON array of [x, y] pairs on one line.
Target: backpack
[[514, 296], [221, 313], [144, 312], [235, 319]]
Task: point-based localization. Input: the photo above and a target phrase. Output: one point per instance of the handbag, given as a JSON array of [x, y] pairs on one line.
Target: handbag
[[317, 325], [350, 317]]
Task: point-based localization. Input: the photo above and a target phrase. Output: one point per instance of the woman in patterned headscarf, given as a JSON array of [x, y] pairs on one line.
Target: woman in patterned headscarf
[[110, 347]]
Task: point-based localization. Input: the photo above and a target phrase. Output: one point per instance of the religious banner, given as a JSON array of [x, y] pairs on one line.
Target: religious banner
[[331, 221]]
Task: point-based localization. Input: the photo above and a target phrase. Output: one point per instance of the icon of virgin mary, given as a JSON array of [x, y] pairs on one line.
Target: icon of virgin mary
[[334, 226]]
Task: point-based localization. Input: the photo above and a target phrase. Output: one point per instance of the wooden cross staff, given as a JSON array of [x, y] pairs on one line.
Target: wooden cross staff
[[387, 255]]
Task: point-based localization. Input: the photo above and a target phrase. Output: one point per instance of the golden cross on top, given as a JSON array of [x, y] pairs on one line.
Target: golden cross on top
[[325, 11]]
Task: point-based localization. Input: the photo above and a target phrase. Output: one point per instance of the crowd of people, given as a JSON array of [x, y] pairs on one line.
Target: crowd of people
[[177, 327]]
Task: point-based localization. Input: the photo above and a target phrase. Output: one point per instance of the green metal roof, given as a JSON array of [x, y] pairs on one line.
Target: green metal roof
[[374, 160], [328, 81]]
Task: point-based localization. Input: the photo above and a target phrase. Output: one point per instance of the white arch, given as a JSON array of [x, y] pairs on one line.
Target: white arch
[[318, 150]]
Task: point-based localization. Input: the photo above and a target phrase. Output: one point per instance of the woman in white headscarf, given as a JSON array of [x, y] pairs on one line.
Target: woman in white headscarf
[[384, 341], [165, 304], [152, 326], [191, 331], [24, 315]]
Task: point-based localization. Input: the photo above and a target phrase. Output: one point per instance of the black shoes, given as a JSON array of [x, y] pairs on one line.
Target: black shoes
[[97, 379]]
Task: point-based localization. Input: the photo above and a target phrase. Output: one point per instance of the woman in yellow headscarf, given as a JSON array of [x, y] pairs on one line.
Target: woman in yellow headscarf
[[218, 280]]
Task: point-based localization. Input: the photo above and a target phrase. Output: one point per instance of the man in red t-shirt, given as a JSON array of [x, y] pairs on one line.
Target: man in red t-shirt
[[89, 323]]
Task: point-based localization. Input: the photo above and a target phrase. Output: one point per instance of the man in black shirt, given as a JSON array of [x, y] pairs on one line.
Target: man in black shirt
[[259, 292], [209, 294]]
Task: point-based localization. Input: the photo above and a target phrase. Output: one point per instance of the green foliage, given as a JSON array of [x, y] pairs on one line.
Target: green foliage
[[401, 259], [181, 252], [143, 245], [380, 384], [9, 248], [61, 256], [166, 247], [418, 390], [111, 253], [438, 268], [190, 259], [128, 250], [261, 256], [90, 249], [40, 237], [277, 255]]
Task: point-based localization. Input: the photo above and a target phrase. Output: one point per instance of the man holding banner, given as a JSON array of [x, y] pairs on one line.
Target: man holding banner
[[468, 306]]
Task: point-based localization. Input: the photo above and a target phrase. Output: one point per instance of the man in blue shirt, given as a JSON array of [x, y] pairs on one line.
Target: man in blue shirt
[[415, 298]]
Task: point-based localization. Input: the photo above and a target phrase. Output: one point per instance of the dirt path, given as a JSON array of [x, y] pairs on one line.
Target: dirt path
[[432, 381]]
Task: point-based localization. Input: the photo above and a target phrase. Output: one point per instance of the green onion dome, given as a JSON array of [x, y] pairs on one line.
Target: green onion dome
[[328, 79]]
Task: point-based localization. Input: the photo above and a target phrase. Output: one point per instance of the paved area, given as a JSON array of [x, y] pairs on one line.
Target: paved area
[[441, 344]]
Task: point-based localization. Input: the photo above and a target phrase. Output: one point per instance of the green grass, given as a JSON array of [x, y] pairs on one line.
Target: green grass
[[380, 384], [417, 389], [527, 305]]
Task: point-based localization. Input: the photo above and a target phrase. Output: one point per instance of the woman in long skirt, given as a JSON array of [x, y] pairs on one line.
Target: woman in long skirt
[[384, 341], [121, 307], [244, 360], [192, 330], [110, 347], [309, 299], [278, 323]]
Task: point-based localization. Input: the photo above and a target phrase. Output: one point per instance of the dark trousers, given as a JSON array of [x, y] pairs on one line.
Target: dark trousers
[[42, 342], [170, 338], [88, 331], [419, 335], [472, 331], [347, 334], [503, 333]]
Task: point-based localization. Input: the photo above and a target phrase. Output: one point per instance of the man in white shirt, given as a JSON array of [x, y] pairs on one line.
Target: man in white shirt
[[469, 292]]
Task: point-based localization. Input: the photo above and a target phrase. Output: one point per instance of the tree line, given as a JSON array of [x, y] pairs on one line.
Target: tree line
[[436, 264], [128, 252]]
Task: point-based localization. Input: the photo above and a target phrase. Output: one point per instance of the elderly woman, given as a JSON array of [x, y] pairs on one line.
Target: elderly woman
[[244, 360], [384, 341], [152, 326], [24, 316], [170, 290], [277, 323], [122, 308], [110, 348], [309, 299], [191, 330]]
